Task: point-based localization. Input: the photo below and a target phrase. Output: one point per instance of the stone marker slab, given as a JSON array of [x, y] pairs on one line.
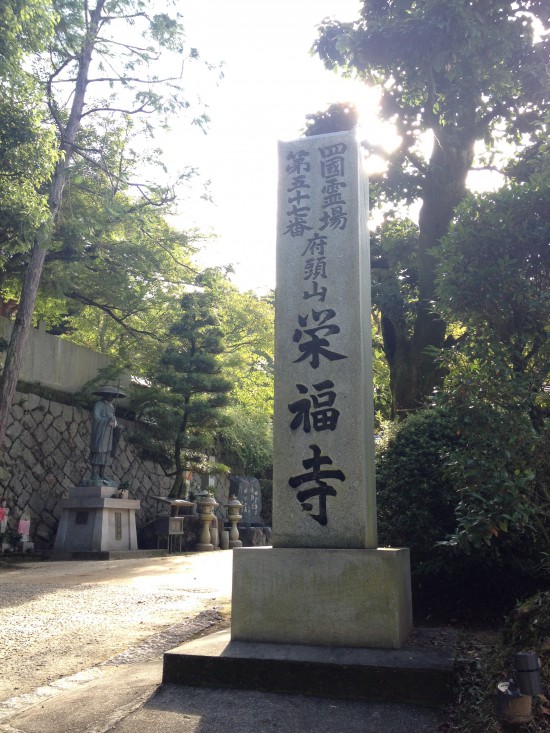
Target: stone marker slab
[[352, 598], [323, 487], [248, 492]]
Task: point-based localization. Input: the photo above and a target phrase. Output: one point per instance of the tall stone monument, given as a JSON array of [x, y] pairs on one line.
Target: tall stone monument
[[324, 581]]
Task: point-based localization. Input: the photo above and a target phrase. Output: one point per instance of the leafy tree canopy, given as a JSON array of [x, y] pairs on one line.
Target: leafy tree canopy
[[459, 73], [188, 391], [494, 275], [101, 61]]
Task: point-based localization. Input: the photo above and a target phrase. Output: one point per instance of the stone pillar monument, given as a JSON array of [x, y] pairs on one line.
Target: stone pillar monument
[[324, 582]]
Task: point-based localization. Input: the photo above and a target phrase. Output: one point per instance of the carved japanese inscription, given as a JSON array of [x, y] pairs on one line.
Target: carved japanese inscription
[[323, 464]]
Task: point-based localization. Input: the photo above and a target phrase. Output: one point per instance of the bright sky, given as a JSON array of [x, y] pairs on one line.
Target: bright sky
[[270, 84]]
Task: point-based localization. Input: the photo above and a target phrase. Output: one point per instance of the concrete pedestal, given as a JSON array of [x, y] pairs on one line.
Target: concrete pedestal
[[351, 598], [93, 520]]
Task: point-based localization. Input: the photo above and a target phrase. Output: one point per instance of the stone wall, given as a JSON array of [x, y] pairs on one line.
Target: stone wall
[[46, 452]]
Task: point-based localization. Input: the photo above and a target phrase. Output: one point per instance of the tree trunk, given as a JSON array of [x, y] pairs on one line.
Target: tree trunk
[[31, 282], [413, 371], [19, 336]]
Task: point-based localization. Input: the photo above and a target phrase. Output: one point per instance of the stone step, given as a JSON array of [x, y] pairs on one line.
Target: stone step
[[420, 673]]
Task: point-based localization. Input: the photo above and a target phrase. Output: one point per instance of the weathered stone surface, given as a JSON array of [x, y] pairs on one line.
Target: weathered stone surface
[[28, 458], [65, 449], [47, 452], [14, 429], [29, 423], [40, 434], [15, 450], [324, 582], [48, 447], [47, 421], [56, 409], [60, 459], [33, 402], [60, 424], [28, 439], [37, 470], [356, 598], [124, 463], [79, 445], [323, 482], [17, 413], [248, 492]]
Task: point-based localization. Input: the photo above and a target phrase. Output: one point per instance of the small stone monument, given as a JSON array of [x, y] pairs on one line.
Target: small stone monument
[[4, 524], [324, 581], [24, 529], [4, 515], [247, 490], [97, 516]]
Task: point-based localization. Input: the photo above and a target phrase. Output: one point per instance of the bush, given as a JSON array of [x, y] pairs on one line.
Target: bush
[[417, 504]]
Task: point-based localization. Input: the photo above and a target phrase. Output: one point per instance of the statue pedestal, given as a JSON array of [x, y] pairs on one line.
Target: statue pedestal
[[93, 520]]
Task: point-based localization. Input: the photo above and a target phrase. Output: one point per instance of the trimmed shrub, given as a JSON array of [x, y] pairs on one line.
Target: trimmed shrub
[[417, 509]]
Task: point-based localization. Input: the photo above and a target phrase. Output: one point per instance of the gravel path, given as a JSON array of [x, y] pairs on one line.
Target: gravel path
[[57, 619]]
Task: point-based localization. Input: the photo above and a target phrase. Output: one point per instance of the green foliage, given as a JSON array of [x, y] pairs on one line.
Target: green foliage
[[528, 626], [27, 143], [443, 63], [101, 62], [25, 27], [247, 440], [494, 276], [492, 471], [184, 406], [116, 269], [415, 504], [337, 118], [453, 73], [247, 322], [418, 503], [213, 384]]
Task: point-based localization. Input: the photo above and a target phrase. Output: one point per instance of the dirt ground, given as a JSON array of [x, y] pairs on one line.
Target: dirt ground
[[59, 618]]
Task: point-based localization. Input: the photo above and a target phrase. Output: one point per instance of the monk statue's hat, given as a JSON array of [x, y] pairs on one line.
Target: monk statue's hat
[[110, 391]]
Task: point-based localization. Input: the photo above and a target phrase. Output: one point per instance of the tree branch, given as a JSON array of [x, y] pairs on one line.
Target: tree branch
[[134, 332]]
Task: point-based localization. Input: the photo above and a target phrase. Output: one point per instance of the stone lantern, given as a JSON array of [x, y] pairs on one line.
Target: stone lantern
[[234, 507], [205, 505]]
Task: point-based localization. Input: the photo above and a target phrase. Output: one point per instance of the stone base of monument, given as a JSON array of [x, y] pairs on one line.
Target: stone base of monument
[[420, 673], [93, 519], [103, 555], [25, 546], [334, 623], [354, 598]]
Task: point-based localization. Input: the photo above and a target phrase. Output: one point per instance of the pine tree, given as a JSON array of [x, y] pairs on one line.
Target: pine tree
[[184, 406]]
